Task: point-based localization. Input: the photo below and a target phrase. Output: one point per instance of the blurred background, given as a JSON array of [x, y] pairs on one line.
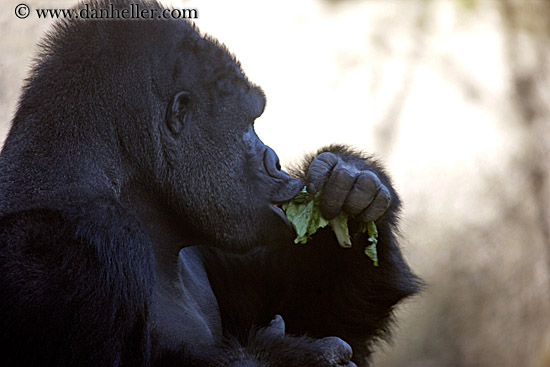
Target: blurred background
[[454, 96]]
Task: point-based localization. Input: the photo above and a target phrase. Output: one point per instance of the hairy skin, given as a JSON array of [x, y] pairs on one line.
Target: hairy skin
[[140, 221], [321, 289]]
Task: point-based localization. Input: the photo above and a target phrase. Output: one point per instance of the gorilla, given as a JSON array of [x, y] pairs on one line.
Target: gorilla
[[141, 221]]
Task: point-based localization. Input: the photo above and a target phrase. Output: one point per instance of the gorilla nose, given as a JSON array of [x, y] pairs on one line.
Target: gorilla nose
[[272, 164], [288, 186]]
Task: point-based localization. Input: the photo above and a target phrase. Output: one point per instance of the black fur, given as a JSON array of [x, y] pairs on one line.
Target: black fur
[[134, 140]]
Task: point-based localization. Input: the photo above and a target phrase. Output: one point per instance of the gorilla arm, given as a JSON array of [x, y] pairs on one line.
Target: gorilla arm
[[320, 288]]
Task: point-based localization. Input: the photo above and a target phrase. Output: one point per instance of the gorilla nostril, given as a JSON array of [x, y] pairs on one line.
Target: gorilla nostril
[[271, 162]]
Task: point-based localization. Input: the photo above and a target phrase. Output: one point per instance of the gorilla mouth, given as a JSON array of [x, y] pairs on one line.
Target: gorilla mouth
[[278, 207], [279, 211], [291, 189]]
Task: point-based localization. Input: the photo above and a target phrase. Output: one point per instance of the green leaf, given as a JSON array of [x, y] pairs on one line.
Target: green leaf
[[340, 227], [304, 214], [370, 250], [372, 232]]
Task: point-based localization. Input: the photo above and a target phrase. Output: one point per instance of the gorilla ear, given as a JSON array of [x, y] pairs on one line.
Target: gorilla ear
[[178, 110]]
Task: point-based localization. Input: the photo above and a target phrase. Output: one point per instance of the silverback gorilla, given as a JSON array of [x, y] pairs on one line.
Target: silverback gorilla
[[140, 220]]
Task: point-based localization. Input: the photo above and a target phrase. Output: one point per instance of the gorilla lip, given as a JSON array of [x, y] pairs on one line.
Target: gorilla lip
[[276, 207]]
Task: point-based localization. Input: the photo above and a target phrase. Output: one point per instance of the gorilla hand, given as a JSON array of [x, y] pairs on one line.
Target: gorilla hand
[[273, 348], [346, 188]]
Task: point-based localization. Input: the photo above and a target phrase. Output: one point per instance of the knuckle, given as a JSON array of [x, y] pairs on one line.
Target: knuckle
[[385, 196], [330, 204], [375, 210], [320, 169], [343, 176], [361, 195], [316, 169], [354, 205], [368, 181], [328, 158], [329, 212]]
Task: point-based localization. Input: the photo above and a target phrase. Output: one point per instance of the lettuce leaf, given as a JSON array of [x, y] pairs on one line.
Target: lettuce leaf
[[304, 214], [370, 250]]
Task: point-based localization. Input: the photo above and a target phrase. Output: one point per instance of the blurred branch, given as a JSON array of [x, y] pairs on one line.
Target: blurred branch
[[388, 124], [530, 82]]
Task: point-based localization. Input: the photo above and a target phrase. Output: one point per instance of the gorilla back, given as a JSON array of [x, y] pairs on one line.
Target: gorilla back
[[134, 140]]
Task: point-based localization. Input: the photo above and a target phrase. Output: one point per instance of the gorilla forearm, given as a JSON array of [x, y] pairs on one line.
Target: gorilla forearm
[[319, 288], [335, 291]]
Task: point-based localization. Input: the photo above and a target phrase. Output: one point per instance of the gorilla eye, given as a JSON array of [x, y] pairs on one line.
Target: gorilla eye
[[177, 112]]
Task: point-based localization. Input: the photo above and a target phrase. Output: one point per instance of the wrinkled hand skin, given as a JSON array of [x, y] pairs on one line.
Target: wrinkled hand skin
[[325, 352], [346, 188]]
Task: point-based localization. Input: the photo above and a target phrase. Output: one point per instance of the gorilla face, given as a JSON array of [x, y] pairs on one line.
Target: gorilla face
[[223, 180]]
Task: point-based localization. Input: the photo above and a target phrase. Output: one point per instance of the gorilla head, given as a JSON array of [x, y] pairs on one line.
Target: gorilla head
[[208, 135], [179, 129]]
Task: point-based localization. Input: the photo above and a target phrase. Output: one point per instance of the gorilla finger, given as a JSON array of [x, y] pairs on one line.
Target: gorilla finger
[[362, 194], [338, 352], [319, 170], [378, 207], [335, 191], [277, 325], [276, 328]]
